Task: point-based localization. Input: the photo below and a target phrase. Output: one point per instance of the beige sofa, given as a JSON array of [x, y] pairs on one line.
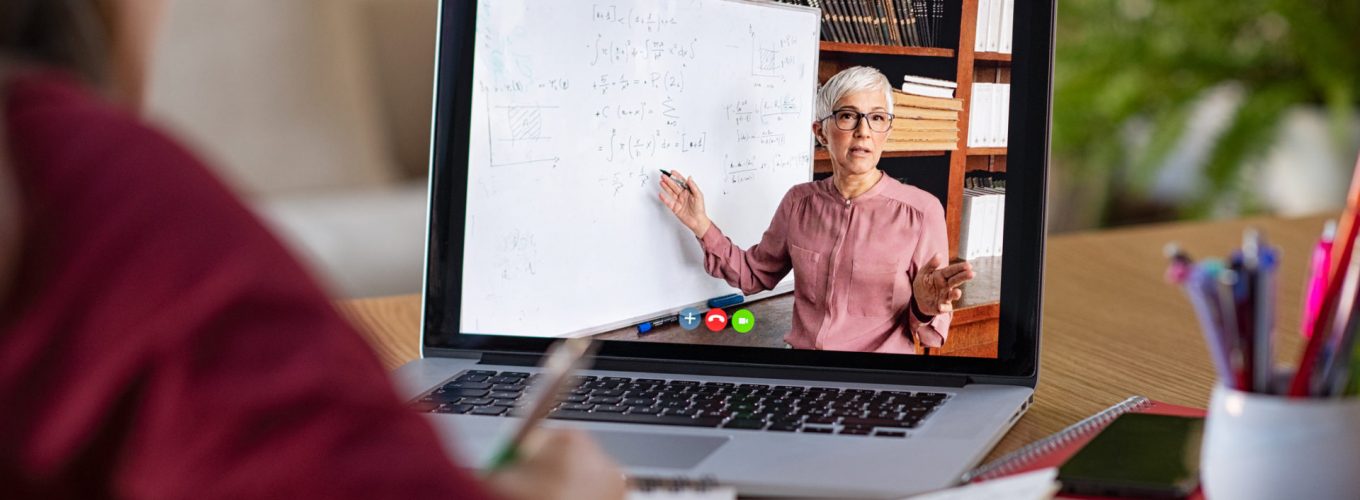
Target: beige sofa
[[317, 112]]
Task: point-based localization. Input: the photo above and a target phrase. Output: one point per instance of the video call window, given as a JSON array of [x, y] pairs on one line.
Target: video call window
[[654, 176]]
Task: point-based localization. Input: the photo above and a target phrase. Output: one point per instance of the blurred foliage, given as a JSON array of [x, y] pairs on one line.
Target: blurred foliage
[[1123, 60]]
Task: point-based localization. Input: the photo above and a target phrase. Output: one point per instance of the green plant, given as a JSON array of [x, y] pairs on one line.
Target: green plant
[[1121, 60]]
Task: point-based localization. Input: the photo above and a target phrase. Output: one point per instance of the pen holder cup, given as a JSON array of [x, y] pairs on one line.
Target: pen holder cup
[[1264, 446]]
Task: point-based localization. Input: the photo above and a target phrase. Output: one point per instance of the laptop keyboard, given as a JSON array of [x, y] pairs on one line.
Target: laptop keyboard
[[756, 407]]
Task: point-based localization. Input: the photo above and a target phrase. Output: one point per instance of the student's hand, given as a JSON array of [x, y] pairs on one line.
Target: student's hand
[[686, 204], [936, 286], [559, 464]]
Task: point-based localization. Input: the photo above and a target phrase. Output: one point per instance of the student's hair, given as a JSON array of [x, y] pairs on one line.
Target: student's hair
[[70, 35], [850, 81]]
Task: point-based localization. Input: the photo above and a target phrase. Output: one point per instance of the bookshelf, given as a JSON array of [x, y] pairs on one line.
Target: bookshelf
[[976, 318], [961, 64]]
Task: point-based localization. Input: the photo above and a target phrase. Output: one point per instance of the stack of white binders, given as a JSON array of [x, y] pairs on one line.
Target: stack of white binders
[[989, 117], [984, 217], [995, 24]]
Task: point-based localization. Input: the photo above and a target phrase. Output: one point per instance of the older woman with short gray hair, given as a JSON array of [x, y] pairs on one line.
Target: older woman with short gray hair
[[869, 253]]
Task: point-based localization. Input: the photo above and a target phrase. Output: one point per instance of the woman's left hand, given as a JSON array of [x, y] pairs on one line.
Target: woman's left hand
[[936, 286]]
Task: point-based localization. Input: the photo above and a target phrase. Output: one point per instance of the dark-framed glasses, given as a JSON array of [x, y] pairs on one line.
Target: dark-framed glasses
[[845, 119]]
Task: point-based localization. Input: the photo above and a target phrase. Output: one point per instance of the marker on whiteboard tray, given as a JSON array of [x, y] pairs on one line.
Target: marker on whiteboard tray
[[726, 301], [676, 179], [647, 327]]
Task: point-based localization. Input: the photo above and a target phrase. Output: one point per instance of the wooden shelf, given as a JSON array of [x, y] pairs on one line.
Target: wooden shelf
[[991, 56], [987, 151], [856, 48]]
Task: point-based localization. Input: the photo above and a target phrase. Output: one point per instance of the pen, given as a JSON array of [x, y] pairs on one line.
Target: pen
[[675, 179], [561, 361], [1317, 282], [648, 326], [1347, 229]]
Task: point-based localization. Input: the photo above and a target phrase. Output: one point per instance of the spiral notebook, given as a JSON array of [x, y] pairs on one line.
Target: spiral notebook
[[1053, 450], [678, 489]]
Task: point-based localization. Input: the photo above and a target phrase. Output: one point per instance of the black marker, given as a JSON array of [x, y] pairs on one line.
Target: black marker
[[675, 179]]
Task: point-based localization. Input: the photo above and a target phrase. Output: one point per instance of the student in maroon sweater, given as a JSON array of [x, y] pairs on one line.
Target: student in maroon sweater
[[155, 340]]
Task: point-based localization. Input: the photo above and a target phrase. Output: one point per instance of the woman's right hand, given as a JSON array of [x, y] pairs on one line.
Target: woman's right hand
[[686, 204]]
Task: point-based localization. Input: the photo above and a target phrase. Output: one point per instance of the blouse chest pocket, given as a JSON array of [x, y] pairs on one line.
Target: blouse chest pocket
[[809, 277], [872, 286]]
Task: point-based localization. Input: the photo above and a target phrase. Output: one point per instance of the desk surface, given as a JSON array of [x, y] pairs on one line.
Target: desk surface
[[1111, 327]]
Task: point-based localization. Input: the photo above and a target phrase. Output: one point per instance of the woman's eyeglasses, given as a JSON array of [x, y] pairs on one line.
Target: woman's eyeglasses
[[849, 120]]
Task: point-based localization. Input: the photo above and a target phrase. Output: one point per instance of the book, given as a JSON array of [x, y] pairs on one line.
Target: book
[[919, 124], [1007, 26], [924, 113], [989, 115], [980, 36], [927, 90], [919, 146], [994, 25], [901, 98], [900, 135], [1055, 449]]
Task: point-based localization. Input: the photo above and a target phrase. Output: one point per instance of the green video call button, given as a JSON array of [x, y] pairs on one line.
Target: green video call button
[[743, 321]]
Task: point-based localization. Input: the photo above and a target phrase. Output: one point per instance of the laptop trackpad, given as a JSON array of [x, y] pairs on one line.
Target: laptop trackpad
[[671, 451]]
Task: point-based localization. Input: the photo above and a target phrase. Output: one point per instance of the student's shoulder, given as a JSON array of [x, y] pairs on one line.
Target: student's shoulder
[[911, 197]]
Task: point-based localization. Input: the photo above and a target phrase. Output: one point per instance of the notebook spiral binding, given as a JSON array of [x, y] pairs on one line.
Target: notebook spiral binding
[[672, 484], [1012, 461]]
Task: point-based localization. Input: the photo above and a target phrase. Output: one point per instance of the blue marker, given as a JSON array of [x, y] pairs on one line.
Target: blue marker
[[726, 301], [654, 324]]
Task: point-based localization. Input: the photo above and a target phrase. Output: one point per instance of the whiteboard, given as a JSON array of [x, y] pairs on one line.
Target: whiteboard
[[575, 107]]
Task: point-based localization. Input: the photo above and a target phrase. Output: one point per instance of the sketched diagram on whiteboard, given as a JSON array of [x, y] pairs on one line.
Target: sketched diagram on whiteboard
[[518, 135]]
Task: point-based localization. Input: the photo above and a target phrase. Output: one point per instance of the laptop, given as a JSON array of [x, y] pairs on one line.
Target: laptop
[[551, 120]]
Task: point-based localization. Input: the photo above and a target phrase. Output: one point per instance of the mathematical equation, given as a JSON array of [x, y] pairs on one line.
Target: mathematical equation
[[655, 80], [611, 15], [624, 145], [630, 51], [525, 85], [745, 111], [749, 168], [640, 111]]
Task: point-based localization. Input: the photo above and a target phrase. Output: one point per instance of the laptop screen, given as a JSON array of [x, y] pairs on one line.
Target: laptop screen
[[731, 173]]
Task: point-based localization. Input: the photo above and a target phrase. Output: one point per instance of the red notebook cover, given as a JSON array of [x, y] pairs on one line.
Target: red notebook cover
[[1053, 450]]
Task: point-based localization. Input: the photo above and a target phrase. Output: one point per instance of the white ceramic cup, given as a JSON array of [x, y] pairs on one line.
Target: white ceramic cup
[[1263, 446]]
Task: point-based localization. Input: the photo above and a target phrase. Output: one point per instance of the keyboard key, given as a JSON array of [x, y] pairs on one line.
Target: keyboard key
[[783, 427], [856, 431], [818, 430], [895, 434], [508, 387], [455, 409], [476, 401], [504, 395], [577, 407], [634, 418], [605, 401], [480, 372], [611, 408], [488, 411], [741, 423], [645, 410], [874, 422], [504, 402], [515, 374]]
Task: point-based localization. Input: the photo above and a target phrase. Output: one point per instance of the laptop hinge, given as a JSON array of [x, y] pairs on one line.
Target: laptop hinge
[[745, 370]]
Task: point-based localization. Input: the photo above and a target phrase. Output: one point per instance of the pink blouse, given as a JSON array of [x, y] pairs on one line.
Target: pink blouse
[[853, 263]]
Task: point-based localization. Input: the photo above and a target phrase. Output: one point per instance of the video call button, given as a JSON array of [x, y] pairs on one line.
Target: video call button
[[691, 317], [743, 321], [716, 319]]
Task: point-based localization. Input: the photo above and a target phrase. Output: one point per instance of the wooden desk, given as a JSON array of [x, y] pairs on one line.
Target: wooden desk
[[1111, 327]]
